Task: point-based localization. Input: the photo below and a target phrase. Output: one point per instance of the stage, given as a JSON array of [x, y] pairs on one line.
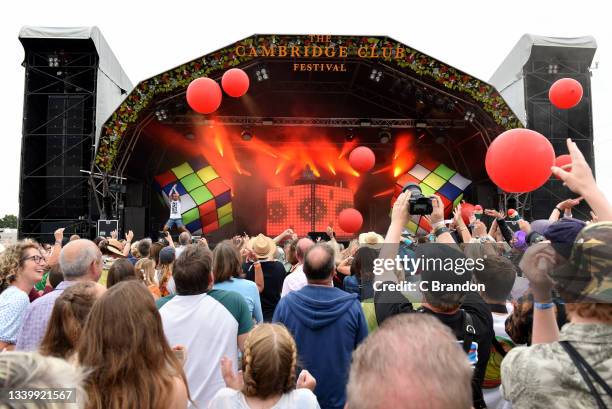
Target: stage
[[279, 154]]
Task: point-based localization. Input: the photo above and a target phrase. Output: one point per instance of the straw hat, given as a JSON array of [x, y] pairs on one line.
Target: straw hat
[[114, 246], [263, 246], [371, 238]]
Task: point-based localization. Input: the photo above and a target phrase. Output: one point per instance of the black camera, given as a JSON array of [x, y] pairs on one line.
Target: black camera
[[419, 204]]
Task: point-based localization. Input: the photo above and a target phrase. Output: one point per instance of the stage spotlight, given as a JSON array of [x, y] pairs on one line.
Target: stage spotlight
[[469, 116], [553, 68], [420, 124], [349, 135], [262, 74], [53, 61], [246, 135], [161, 114], [384, 135], [376, 75], [365, 122]]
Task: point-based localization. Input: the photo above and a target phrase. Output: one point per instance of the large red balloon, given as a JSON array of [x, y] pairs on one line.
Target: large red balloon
[[235, 82], [561, 161], [204, 95], [350, 220], [565, 93], [519, 160], [362, 159], [467, 211]]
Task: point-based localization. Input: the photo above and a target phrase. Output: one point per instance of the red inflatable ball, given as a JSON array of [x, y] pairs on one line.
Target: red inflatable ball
[[519, 160], [467, 211], [204, 95], [563, 160], [362, 159], [235, 82], [565, 93], [350, 220]]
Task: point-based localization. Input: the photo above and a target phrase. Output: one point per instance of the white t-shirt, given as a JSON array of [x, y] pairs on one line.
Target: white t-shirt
[[228, 398], [295, 281], [208, 326], [175, 209], [178, 251]]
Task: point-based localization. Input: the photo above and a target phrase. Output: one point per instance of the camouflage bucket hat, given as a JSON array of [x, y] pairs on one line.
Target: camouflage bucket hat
[[587, 277]]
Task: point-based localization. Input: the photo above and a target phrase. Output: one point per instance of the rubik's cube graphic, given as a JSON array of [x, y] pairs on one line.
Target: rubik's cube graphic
[[205, 198], [434, 178]]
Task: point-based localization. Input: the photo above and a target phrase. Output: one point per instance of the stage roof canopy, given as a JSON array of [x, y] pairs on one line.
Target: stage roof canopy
[[508, 79], [112, 82], [310, 80]]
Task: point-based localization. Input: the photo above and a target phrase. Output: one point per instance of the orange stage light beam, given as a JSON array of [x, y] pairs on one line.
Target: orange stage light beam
[[382, 170], [331, 169], [347, 147], [218, 144], [280, 167], [261, 146], [314, 169], [402, 143], [385, 193]]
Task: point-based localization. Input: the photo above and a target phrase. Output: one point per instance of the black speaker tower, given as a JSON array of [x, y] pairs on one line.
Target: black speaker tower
[[58, 136], [547, 65]]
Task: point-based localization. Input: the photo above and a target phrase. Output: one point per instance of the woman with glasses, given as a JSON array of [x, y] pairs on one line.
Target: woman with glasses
[[21, 266]]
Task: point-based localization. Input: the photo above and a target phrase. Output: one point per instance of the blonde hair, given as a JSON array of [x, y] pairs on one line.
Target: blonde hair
[[134, 250], [145, 269], [269, 362], [420, 360], [11, 261]]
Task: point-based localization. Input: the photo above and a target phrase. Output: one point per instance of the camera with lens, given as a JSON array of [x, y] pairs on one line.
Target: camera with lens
[[419, 204]]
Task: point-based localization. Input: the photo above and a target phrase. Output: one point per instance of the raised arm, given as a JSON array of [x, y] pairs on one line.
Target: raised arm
[[282, 236], [390, 248], [564, 209], [461, 227], [536, 264], [259, 277], [580, 180], [129, 236], [170, 240], [501, 224], [437, 222], [57, 247]]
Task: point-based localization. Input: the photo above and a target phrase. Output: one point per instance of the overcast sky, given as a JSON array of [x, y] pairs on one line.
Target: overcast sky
[[153, 36]]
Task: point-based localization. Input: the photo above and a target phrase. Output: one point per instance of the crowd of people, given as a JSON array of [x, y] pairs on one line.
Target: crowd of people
[[288, 322]]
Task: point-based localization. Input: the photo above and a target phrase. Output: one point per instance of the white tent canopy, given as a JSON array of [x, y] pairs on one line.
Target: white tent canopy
[[508, 79], [113, 85]]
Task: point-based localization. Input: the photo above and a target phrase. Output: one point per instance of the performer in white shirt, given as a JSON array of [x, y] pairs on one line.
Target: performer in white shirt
[[175, 212]]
